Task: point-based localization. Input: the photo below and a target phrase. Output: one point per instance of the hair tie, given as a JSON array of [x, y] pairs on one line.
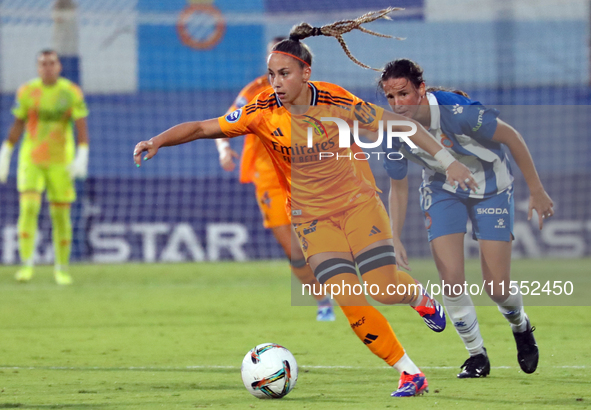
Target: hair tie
[[316, 31], [294, 37]]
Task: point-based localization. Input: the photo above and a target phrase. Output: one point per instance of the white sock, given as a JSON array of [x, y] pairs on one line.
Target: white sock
[[462, 313], [406, 365], [512, 309]]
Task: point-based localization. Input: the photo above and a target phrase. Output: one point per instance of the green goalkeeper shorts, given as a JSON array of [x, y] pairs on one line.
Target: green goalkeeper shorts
[[55, 178]]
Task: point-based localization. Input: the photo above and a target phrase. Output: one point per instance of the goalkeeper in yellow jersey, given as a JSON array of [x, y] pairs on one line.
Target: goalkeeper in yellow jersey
[[46, 109]]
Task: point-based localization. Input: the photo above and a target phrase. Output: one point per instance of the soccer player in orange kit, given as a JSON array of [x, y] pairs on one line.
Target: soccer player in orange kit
[[339, 218], [256, 167]]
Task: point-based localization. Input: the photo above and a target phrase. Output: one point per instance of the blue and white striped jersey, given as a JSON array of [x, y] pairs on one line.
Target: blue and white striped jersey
[[465, 127]]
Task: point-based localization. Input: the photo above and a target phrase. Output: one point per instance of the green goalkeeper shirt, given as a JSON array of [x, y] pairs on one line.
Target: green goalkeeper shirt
[[49, 112]]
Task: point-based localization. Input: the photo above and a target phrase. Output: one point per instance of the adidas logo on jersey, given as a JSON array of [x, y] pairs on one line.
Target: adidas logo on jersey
[[278, 132], [374, 230]]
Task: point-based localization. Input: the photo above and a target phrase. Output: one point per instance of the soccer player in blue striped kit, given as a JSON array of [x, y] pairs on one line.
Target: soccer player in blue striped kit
[[474, 135]]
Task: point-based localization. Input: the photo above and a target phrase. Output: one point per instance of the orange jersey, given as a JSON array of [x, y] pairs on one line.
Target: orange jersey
[[315, 187], [256, 165]]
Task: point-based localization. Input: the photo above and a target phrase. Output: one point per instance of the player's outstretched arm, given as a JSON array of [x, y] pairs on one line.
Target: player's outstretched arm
[[457, 173], [179, 134], [8, 146], [538, 198]]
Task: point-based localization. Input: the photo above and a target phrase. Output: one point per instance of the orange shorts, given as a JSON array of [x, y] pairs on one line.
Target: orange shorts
[[348, 231], [272, 205]]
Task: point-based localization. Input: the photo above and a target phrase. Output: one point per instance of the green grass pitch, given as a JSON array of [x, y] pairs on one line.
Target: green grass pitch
[[173, 337]]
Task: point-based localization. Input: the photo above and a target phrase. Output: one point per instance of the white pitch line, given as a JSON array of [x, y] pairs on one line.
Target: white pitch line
[[131, 368]]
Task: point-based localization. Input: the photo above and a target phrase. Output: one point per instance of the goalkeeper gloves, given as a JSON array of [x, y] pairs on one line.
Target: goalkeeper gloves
[[79, 167], [5, 154]]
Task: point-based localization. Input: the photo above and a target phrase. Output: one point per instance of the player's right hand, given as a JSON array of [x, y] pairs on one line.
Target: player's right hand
[[5, 153], [144, 146], [79, 167], [3, 174], [541, 202], [227, 156], [458, 173]]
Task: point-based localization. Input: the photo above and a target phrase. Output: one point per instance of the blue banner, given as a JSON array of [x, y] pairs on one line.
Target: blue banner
[[185, 45]]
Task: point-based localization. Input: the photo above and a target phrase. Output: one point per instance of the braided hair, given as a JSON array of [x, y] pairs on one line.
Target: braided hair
[[294, 47]]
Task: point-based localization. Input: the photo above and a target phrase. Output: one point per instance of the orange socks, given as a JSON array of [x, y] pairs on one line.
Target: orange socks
[[375, 332]]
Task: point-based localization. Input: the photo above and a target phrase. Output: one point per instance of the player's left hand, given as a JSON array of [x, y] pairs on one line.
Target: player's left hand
[[543, 204], [458, 173]]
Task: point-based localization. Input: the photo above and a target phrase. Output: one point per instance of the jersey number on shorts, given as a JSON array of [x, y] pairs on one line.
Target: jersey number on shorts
[[426, 197]]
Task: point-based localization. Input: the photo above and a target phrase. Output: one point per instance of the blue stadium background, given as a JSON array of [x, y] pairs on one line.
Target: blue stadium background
[[535, 71]]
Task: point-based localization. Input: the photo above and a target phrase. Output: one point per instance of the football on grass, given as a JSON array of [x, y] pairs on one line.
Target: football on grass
[[269, 371]]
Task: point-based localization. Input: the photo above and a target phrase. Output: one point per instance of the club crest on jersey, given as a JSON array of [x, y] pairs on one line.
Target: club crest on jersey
[[428, 220], [457, 109], [446, 142], [317, 125], [234, 115]]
